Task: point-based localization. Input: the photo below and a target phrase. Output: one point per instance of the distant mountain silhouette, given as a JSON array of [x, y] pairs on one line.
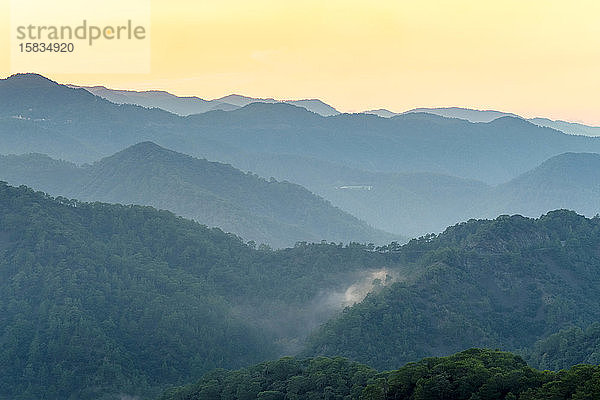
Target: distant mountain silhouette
[[449, 112], [159, 99], [316, 106], [491, 152], [471, 115], [215, 194], [382, 112], [194, 105], [241, 101], [571, 128], [464, 113], [74, 125]]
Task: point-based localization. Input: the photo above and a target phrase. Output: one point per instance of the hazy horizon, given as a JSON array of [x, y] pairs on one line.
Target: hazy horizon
[[534, 59], [284, 99]]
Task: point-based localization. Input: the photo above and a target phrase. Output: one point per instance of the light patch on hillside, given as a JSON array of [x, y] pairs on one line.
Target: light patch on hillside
[[356, 292], [292, 324]]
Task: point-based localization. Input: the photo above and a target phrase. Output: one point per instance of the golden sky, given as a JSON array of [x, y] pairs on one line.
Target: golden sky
[[531, 57]]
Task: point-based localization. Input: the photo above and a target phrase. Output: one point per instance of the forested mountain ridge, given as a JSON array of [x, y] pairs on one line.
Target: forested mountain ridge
[[415, 203], [421, 203], [504, 283], [566, 348], [472, 374], [83, 304], [40, 115], [491, 152], [99, 300], [117, 276], [83, 128], [569, 180], [215, 194], [403, 159]]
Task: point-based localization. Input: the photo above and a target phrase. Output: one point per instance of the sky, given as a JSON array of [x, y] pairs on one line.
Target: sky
[[532, 57]]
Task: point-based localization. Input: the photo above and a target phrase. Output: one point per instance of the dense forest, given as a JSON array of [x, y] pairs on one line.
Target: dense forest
[[104, 301], [98, 298], [502, 283], [568, 347], [470, 375]]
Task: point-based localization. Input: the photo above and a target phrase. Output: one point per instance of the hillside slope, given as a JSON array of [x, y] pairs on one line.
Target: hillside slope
[[502, 283], [472, 374], [570, 180], [275, 213], [102, 301]]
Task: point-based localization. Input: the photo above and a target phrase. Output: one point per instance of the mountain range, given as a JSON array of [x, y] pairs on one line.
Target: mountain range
[[571, 128], [103, 301], [195, 105], [131, 300], [421, 203], [38, 115], [158, 99], [77, 273], [275, 213], [422, 171], [503, 283]]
